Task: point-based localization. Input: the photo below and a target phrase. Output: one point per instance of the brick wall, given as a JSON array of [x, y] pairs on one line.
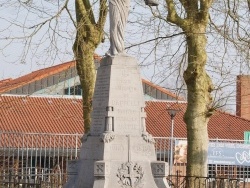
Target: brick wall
[[243, 96]]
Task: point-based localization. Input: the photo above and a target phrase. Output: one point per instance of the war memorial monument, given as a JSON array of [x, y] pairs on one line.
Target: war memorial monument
[[118, 151]]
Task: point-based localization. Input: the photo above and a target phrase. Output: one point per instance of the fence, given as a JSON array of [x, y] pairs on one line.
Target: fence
[[43, 158], [177, 181], [36, 158], [216, 171]]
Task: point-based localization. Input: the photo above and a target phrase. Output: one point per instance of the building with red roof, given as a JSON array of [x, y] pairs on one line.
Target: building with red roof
[[49, 100], [46, 114], [63, 80]]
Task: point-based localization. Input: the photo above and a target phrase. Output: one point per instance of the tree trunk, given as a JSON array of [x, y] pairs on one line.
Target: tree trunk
[[87, 74], [89, 35], [198, 111]]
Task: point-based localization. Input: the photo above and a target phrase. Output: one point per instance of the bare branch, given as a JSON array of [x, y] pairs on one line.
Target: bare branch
[[82, 14], [154, 39], [172, 14], [102, 13]]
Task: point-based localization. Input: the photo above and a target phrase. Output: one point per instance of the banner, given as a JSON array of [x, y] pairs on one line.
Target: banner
[[180, 151], [222, 153], [229, 153]]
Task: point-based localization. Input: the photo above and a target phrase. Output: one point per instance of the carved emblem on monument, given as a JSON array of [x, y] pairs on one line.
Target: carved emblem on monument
[[130, 175], [107, 137], [160, 168], [148, 137], [101, 168]]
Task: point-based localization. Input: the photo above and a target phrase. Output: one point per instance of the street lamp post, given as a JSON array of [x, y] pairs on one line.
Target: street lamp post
[[172, 113]]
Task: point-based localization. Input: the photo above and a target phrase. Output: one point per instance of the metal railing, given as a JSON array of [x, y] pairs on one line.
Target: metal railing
[[31, 157], [219, 172], [177, 181], [44, 157], [33, 181]]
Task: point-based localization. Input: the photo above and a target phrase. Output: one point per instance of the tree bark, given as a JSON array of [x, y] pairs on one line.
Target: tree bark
[[198, 83], [86, 71], [198, 111], [89, 35]]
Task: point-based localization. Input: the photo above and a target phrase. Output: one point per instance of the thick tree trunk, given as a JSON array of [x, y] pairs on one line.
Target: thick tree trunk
[[199, 84], [87, 74], [198, 111], [89, 35]]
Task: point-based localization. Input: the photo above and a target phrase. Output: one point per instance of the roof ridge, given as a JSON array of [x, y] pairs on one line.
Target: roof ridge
[[163, 89], [38, 74], [43, 96], [54, 66], [35, 75], [167, 101], [5, 80]]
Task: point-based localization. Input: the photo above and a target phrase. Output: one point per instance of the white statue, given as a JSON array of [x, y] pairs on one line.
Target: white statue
[[118, 14]]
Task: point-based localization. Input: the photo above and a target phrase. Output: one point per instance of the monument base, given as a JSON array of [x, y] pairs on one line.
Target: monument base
[[129, 162], [118, 152]]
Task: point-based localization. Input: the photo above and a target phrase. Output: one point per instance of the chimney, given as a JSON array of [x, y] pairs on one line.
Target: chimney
[[243, 96]]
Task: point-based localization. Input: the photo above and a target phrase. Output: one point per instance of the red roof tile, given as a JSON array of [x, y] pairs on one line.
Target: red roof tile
[[40, 115], [158, 120], [221, 125], [12, 140], [5, 81], [64, 115]]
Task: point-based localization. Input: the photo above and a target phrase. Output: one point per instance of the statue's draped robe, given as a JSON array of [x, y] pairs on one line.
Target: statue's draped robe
[[118, 12]]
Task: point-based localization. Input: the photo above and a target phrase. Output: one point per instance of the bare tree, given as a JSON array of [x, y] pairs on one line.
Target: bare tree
[[89, 35], [183, 39], [197, 20], [207, 38], [198, 82], [45, 19]]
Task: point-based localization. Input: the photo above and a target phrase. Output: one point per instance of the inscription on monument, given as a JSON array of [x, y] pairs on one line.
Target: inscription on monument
[[116, 147], [100, 100], [142, 149], [126, 108]]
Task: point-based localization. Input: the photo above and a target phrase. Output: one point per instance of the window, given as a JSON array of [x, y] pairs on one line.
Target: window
[[74, 90]]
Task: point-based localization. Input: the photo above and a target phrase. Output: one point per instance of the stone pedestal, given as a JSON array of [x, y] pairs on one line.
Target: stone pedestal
[[118, 152]]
